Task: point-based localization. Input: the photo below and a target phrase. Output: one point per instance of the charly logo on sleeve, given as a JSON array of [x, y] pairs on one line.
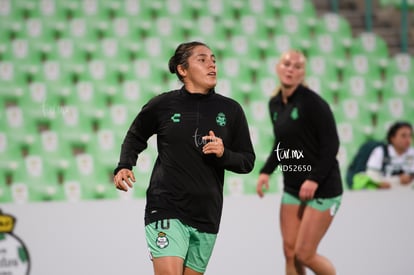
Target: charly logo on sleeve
[[274, 117], [176, 117], [14, 257]]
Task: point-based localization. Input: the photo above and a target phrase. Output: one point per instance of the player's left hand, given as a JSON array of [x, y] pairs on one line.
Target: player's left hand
[[213, 145], [307, 190]]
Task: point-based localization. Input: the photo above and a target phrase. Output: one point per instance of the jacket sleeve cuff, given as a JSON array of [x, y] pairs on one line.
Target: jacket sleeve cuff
[[120, 167]]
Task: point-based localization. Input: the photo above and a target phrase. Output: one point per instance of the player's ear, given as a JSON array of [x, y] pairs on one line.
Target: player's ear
[[181, 71]]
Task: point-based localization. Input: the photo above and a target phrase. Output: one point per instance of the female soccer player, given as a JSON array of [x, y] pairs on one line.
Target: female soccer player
[[305, 148], [200, 134]]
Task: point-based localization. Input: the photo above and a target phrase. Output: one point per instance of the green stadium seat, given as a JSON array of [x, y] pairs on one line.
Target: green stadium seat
[[206, 29], [183, 9], [335, 25], [362, 77], [20, 127], [22, 52], [72, 190], [232, 88], [20, 192], [238, 71], [295, 26], [88, 180], [343, 158], [355, 111], [219, 8], [38, 101], [398, 85], [134, 92], [53, 148], [5, 190], [67, 50], [322, 66], [168, 29], [251, 26], [363, 65], [109, 50], [322, 75], [393, 108], [242, 46], [143, 169], [300, 7], [96, 9], [266, 71], [262, 137], [69, 9], [42, 31], [50, 71], [370, 44], [87, 97], [40, 179], [105, 146], [154, 9], [10, 151], [362, 88], [118, 118], [8, 10], [12, 80], [52, 9], [120, 27], [145, 70], [325, 44], [155, 47], [257, 113], [266, 88], [401, 63], [77, 127], [349, 135], [322, 86], [233, 184], [261, 9], [82, 30]]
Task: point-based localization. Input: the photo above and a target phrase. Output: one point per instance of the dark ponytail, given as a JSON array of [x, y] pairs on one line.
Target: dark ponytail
[[181, 55]]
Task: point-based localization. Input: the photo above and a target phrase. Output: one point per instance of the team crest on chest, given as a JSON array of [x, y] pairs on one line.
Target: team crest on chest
[[294, 114], [221, 119]]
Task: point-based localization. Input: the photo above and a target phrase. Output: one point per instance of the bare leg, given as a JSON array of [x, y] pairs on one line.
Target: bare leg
[[189, 271], [290, 220], [168, 266], [313, 227]]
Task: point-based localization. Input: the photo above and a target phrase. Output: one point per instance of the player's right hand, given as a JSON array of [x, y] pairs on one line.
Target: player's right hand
[[262, 184], [124, 179]]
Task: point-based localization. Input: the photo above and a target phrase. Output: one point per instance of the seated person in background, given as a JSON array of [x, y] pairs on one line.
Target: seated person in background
[[399, 168]]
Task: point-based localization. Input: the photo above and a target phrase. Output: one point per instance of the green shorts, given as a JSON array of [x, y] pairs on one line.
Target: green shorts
[[173, 238], [318, 203]]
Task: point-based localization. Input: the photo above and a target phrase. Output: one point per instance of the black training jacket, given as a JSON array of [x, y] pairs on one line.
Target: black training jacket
[[306, 143], [185, 183]]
